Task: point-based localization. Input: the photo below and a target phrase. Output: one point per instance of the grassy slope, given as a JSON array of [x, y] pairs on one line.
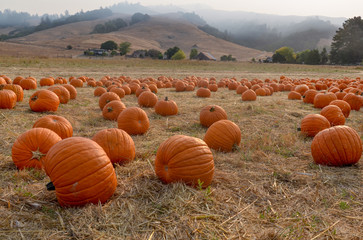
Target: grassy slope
[[269, 189]]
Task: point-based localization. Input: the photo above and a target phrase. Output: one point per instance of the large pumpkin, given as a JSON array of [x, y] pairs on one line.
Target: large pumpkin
[[80, 172], [118, 145], [106, 98], [343, 105], [223, 135], [57, 124], [334, 115], [44, 100], [62, 93], [31, 146], [112, 109], [353, 100], [133, 120], [16, 89], [211, 114], [311, 124], [166, 107], [337, 146], [185, 159], [147, 99], [7, 99], [323, 99]]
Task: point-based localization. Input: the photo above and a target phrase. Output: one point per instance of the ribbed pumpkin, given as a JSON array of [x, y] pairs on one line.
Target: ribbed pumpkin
[[343, 105], [334, 115], [223, 135], [353, 100], [294, 95], [77, 83], [72, 91], [7, 99], [118, 145], [16, 89], [46, 81], [62, 93], [323, 99], [31, 146], [185, 159], [28, 83], [106, 98], [241, 89], [99, 91], [147, 99], [141, 90], [119, 91], [166, 107], [80, 172], [57, 124], [203, 92], [112, 109], [133, 120], [309, 96], [337, 146], [249, 95], [311, 124], [211, 114], [44, 100]]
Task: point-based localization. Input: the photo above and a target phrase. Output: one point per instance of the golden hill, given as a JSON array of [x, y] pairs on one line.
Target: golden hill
[[158, 33]]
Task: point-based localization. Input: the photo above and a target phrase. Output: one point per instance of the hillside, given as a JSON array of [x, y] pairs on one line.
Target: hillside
[[158, 33]]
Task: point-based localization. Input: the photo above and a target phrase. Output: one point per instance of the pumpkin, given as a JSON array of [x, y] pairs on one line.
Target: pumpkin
[[16, 89], [17, 80], [337, 146], [166, 107], [57, 124], [241, 89], [180, 86], [175, 162], [46, 81], [30, 147], [213, 87], [294, 95], [309, 96], [77, 83], [62, 93], [7, 99], [323, 99], [340, 95], [106, 98], [99, 91], [334, 115], [311, 124], [118, 145], [112, 109], [141, 90], [233, 85], [126, 89], [28, 83], [223, 135], [80, 172], [249, 95], [119, 91], [343, 105], [211, 114], [147, 99], [260, 92], [133, 120], [44, 100], [203, 92], [353, 100], [302, 88], [72, 91], [153, 88]]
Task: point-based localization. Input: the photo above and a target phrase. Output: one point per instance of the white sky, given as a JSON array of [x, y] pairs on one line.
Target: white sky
[[331, 8]]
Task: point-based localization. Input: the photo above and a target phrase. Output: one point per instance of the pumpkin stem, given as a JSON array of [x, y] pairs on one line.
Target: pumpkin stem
[[212, 109], [299, 129], [166, 99], [37, 155], [34, 98], [50, 186], [109, 109]]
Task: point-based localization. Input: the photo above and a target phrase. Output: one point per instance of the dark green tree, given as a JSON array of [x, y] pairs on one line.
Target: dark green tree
[[313, 57], [171, 51], [278, 58], [301, 56], [346, 47], [125, 48], [109, 45], [288, 54], [139, 17], [193, 53], [154, 54]]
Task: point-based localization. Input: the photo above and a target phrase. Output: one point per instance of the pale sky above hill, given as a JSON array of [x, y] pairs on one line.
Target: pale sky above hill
[[331, 8]]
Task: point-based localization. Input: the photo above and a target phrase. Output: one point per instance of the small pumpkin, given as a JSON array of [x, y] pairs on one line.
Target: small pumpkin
[[343, 105], [28, 83], [203, 92], [7, 99], [30, 147], [311, 124], [334, 115], [80, 172], [99, 91], [323, 99], [106, 98], [118, 145], [249, 95], [133, 120], [112, 109], [211, 114], [44, 100], [309, 96], [62, 93], [223, 135], [166, 107], [175, 162], [294, 95], [337, 146], [72, 91], [353, 100], [16, 89], [147, 99], [57, 124]]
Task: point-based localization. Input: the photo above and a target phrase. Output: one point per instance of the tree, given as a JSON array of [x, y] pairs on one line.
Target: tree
[[278, 58], [154, 54], [69, 47], [228, 58], [346, 47], [288, 53], [109, 45], [193, 53], [324, 56], [179, 55], [313, 57], [171, 51], [139, 17], [125, 48], [301, 56]]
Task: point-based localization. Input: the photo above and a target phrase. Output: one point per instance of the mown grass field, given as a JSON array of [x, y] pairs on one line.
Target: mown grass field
[[268, 189]]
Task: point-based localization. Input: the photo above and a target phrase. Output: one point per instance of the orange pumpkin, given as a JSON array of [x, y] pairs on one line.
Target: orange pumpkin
[[211, 114], [112, 109], [223, 135], [147, 99], [57, 124], [44, 100], [334, 115], [7, 99], [133, 120], [166, 107], [311, 124]]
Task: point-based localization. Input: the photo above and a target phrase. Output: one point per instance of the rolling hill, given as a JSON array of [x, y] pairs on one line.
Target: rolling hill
[[160, 32]]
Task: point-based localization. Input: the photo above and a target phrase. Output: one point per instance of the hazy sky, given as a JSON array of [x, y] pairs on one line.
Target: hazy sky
[[332, 8]]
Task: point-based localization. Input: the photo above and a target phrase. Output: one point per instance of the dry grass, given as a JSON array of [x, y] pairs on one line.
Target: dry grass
[[268, 189]]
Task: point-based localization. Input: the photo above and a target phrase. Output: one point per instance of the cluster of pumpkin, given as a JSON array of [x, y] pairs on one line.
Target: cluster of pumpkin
[[334, 144]]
